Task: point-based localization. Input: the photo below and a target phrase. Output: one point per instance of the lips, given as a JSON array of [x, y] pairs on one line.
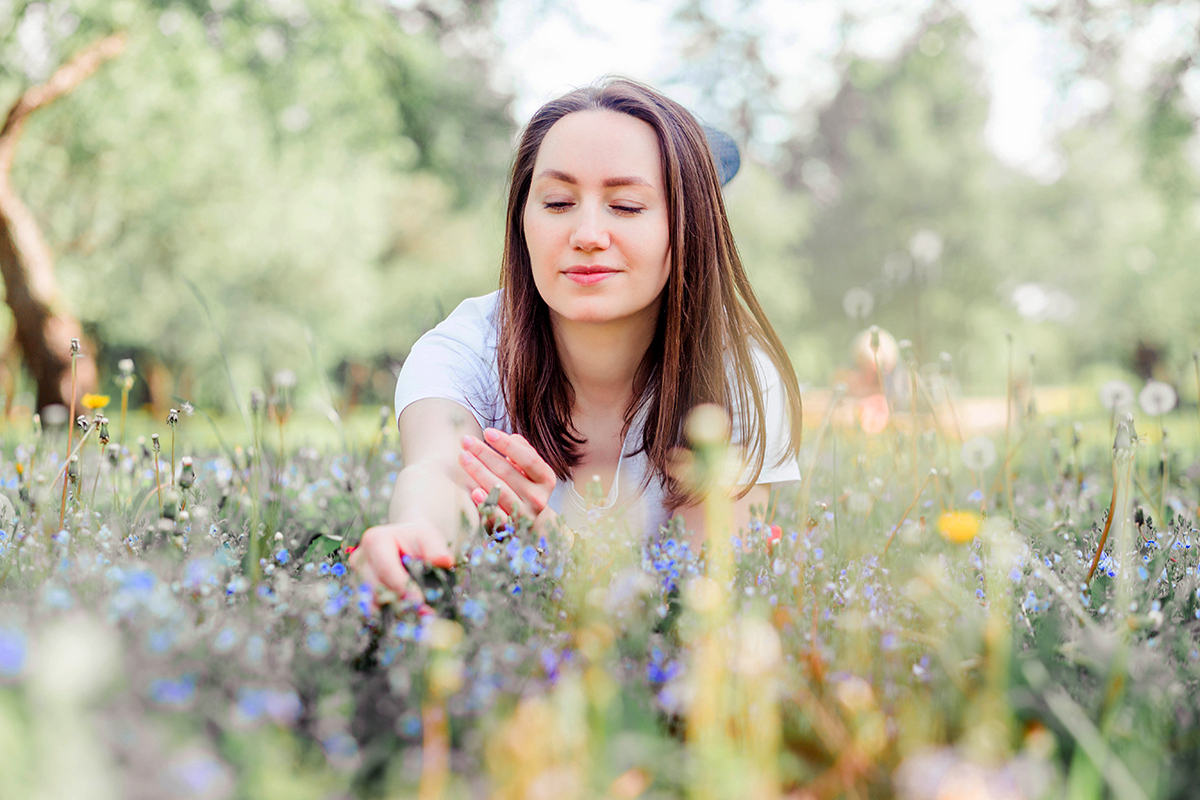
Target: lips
[[588, 275]]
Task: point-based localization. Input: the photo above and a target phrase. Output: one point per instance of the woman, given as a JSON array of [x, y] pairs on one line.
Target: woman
[[623, 305]]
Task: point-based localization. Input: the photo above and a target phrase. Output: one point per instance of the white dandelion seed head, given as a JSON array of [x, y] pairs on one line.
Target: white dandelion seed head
[[858, 303], [285, 379], [979, 453], [1116, 395], [1157, 398], [55, 414]]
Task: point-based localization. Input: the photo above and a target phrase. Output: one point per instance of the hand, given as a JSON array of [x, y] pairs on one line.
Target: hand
[[377, 557], [508, 462]]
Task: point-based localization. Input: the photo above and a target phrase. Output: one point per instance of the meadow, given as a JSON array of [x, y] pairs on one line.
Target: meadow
[[932, 613]]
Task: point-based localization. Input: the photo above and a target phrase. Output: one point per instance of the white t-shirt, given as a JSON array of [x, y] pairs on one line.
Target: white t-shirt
[[457, 361]]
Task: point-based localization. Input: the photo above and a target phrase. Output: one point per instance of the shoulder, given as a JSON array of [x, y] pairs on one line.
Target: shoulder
[[474, 319], [456, 360]]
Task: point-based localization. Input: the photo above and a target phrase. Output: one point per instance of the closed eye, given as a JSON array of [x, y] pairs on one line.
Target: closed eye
[[630, 210]]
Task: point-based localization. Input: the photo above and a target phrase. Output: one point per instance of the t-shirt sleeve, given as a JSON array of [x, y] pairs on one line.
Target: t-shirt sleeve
[[778, 428], [456, 361]]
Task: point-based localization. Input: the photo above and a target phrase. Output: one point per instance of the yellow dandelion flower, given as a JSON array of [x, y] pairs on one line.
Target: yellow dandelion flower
[[959, 527], [94, 402]]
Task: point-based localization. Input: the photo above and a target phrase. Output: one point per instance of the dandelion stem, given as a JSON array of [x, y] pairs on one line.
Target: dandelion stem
[[1008, 415], [96, 483], [124, 409], [1165, 469], [62, 510]]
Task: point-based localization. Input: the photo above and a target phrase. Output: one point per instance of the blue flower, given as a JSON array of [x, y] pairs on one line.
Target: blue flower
[[14, 651], [283, 706], [178, 693], [159, 640], [251, 703], [339, 569], [282, 556], [317, 643], [225, 640], [473, 610], [56, 596]]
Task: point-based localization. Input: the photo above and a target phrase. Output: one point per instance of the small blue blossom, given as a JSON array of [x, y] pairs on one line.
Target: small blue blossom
[[317, 643], [14, 651], [176, 693]]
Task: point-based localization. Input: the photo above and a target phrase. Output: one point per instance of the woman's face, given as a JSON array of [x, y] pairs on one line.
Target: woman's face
[[596, 219]]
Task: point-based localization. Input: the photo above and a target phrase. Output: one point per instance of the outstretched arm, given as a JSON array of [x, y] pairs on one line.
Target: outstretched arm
[[429, 500]]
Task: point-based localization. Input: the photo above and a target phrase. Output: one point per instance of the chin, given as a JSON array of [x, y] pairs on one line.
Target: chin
[[589, 310]]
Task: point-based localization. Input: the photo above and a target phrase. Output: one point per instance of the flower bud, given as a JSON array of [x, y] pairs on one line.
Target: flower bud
[[187, 474]]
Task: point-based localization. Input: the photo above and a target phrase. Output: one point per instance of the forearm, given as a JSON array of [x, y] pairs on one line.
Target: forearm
[[425, 493]]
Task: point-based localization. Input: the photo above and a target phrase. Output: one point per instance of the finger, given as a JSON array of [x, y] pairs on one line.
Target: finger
[[431, 550], [478, 496], [382, 567], [519, 451], [501, 466], [509, 500]]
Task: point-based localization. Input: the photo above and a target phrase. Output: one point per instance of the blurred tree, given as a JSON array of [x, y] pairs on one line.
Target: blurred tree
[[912, 223], [43, 329], [319, 171]]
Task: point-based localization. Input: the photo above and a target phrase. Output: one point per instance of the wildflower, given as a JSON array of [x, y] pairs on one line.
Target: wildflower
[[959, 527], [94, 402], [978, 454], [125, 365], [1157, 398], [173, 417], [1116, 395], [187, 473], [55, 414], [74, 347], [858, 303]]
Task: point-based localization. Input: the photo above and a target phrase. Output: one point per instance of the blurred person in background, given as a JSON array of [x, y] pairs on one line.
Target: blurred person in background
[[623, 305]]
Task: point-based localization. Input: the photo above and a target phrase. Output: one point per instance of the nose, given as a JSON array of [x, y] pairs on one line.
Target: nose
[[590, 232]]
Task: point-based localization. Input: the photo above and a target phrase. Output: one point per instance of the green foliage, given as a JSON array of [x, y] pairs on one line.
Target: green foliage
[[311, 167]]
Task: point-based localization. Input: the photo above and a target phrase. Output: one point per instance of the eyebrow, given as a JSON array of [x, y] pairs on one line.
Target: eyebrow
[[565, 177]]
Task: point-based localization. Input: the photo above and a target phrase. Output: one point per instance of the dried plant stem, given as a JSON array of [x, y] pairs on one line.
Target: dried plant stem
[[124, 410], [1165, 468], [96, 482], [1112, 507], [907, 511], [158, 485], [62, 510], [435, 751], [1008, 415]]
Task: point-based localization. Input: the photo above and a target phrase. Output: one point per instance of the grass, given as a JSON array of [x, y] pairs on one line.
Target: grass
[[972, 650]]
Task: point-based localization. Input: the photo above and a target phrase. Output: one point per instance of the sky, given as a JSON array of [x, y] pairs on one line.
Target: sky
[[551, 47]]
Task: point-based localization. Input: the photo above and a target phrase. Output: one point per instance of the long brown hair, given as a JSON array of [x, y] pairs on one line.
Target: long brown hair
[[709, 319]]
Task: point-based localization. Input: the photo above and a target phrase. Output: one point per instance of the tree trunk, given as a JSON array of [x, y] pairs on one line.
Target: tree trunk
[[44, 328]]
